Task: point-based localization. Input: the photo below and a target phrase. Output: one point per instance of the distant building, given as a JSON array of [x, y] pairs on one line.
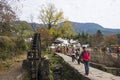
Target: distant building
[[28, 39]]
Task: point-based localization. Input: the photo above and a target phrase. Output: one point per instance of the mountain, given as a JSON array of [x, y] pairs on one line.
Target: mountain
[[91, 28]]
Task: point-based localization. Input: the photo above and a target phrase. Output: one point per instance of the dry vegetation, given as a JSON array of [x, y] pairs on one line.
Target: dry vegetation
[[9, 64], [110, 60]]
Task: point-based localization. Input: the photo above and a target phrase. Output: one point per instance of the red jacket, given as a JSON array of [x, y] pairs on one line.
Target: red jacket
[[86, 55]]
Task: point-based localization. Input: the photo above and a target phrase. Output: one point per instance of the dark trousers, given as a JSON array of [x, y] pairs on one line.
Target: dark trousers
[[73, 58], [86, 64], [78, 61]]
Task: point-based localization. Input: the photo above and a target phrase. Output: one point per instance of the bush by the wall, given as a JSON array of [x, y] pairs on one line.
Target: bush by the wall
[[21, 45]]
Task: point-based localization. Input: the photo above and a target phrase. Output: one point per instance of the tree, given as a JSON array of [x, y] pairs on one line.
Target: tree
[[118, 36], [46, 38], [7, 16], [50, 16], [65, 30], [98, 38], [22, 27], [83, 38], [54, 33], [110, 40]]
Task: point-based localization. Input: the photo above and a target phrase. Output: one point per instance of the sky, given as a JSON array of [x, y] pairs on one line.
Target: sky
[[103, 12]]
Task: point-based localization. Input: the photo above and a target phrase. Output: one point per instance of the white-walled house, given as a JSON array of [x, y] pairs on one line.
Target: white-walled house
[[28, 39]]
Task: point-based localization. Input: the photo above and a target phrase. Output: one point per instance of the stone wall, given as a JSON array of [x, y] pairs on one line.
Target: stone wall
[[113, 70], [71, 74], [68, 72]]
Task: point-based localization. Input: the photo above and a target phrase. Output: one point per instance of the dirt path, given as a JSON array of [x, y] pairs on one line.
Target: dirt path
[[14, 73]]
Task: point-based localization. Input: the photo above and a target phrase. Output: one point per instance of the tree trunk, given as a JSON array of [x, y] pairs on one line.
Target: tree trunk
[[49, 26]]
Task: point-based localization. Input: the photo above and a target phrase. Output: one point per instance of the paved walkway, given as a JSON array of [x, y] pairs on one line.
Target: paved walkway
[[95, 74]]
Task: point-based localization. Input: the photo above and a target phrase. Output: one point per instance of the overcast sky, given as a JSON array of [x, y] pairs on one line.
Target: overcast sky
[[103, 12]]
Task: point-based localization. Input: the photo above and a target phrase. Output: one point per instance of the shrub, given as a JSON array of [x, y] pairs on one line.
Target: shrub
[[21, 44], [3, 55], [6, 43], [7, 47], [10, 46]]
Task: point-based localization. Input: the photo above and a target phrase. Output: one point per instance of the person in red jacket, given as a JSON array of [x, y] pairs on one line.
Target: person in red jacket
[[85, 56]]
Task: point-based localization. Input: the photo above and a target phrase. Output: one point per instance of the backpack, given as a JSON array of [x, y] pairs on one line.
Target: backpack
[[86, 56]]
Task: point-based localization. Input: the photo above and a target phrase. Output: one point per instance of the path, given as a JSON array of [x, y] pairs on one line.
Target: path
[[95, 74], [15, 73]]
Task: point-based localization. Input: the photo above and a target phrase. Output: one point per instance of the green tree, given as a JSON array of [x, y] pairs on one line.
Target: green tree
[[83, 38], [66, 30], [50, 16], [54, 33]]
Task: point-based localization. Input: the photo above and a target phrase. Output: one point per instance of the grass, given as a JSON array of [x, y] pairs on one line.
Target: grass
[[8, 64], [27, 77]]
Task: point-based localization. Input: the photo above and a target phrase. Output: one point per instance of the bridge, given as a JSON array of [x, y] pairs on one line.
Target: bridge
[[95, 74]]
